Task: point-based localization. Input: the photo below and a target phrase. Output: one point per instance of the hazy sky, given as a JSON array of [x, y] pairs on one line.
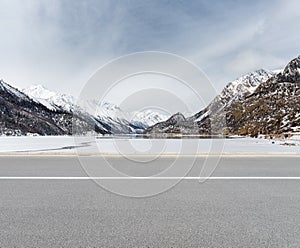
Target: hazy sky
[[61, 43]]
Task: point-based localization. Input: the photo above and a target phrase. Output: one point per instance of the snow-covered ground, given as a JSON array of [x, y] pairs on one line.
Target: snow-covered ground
[[71, 145]]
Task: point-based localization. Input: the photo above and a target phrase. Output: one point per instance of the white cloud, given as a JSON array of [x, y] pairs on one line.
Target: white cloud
[[61, 44]]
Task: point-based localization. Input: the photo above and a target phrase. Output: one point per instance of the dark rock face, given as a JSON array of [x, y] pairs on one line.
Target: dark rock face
[[19, 115], [258, 103], [291, 72], [177, 123]]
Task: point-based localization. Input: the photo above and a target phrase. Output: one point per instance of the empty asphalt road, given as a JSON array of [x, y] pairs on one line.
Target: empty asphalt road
[[45, 203]]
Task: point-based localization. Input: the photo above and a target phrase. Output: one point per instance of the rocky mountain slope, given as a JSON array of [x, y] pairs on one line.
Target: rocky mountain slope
[[273, 108], [20, 115], [261, 102]]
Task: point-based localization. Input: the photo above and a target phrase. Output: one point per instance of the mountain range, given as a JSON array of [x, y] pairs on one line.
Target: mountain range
[[21, 115], [37, 110], [261, 102]]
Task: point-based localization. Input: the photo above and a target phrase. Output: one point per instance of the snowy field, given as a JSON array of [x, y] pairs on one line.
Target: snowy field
[[70, 145]]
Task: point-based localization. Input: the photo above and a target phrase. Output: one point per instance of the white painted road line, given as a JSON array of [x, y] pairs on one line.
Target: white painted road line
[[148, 178]]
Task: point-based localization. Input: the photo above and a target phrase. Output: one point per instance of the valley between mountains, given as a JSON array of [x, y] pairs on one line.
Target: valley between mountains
[[259, 103]]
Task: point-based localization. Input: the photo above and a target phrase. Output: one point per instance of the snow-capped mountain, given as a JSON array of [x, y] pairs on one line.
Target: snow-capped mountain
[[236, 90], [111, 110], [246, 84], [147, 117], [123, 122], [261, 102], [113, 119], [20, 115], [273, 108], [50, 99]]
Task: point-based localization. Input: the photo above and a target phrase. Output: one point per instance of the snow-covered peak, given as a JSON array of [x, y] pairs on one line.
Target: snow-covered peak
[[236, 90], [247, 84], [109, 110], [103, 110], [148, 117], [50, 99], [39, 91]]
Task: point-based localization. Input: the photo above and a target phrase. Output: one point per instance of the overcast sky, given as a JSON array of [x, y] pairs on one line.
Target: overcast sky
[[61, 43]]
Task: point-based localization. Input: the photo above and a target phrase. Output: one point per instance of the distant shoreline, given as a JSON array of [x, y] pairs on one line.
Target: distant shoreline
[[111, 155]]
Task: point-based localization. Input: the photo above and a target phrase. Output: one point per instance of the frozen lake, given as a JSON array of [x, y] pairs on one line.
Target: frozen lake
[[92, 145]]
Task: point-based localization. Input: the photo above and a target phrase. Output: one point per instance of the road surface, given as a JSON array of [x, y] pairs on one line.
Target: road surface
[[253, 212]]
